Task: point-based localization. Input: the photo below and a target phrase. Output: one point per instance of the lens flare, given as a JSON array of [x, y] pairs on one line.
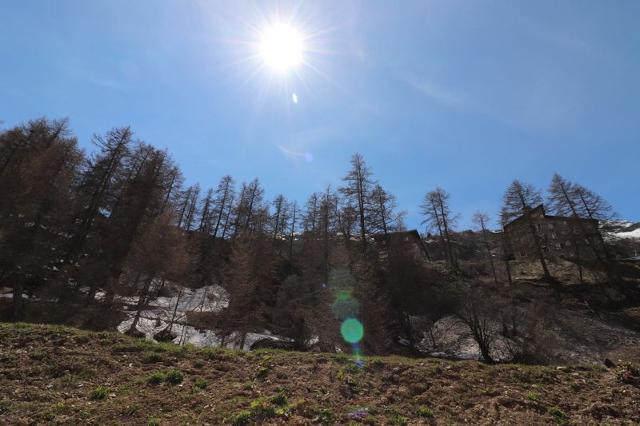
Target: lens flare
[[352, 330]]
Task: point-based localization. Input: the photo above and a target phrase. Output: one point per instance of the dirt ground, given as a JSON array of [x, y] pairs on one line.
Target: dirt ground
[[60, 375]]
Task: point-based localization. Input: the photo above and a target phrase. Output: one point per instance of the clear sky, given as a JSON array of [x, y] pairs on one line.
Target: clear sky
[[467, 95]]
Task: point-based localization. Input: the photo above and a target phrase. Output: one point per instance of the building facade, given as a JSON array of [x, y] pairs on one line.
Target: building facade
[[560, 237]]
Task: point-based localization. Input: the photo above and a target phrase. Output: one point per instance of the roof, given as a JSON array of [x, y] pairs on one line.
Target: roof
[[547, 216]]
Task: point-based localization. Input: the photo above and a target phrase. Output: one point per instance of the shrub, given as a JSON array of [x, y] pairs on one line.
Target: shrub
[[174, 377], [156, 378], [200, 383], [99, 393], [153, 422]]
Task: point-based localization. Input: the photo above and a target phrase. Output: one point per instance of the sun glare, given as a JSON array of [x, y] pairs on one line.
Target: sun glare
[[281, 47]]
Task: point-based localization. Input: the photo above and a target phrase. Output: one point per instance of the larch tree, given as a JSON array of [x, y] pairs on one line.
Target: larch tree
[[438, 216], [357, 190], [481, 219], [96, 187], [383, 215], [35, 189], [223, 204], [293, 224]]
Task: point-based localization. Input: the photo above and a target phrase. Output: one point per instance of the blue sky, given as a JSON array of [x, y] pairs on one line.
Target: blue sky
[[467, 95]]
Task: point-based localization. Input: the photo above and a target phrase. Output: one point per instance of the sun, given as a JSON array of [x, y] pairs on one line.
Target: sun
[[281, 47]]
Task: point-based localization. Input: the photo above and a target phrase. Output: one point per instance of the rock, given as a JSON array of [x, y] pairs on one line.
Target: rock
[[608, 363]]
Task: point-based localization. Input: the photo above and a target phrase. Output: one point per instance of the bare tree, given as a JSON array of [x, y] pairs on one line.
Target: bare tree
[[481, 219], [383, 215], [477, 313], [358, 191], [223, 202], [437, 214], [292, 228]]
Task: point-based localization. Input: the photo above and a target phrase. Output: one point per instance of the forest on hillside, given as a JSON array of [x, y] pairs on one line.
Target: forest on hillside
[[78, 233]]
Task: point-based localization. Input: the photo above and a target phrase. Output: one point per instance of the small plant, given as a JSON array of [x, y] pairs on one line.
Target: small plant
[[156, 378], [99, 393], [200, 383], [242, 418], [424, 412], [154, 421], [4, 406], [280, 399], [533, 396], [325, 416], [262, 372], [174, 377], [151, 358], [397, 419]]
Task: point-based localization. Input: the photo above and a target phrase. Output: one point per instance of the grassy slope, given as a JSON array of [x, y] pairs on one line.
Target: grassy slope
[[52, 374]]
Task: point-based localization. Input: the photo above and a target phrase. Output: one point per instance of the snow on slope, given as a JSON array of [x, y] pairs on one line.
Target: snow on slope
[[630, 234]]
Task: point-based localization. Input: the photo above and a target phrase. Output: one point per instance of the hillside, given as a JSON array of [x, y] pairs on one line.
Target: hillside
[[53, 374]]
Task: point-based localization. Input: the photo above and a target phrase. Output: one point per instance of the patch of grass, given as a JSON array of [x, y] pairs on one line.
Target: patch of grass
[[280, 399], [559, 416], [130, 410], [324, 416], [174, 377], [38, 355], [151, 357], [397, 419], [154, 421], [424, 411], [4, 406], [262, 409], [99, 393], [533, 396], [200, 383], [242, 418], [156, 378]]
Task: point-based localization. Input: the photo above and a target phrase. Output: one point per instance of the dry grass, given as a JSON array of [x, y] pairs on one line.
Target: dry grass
[[54, 375]]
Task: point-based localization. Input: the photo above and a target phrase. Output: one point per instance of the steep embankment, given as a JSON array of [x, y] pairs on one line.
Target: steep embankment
[[52, 374]]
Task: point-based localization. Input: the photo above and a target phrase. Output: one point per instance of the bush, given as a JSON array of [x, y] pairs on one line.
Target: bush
[[174, 377], [153, 422], [99, 393], [156, 378], [201, 383]]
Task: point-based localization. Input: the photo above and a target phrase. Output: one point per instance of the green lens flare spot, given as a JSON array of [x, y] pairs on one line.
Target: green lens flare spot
[[352, 330]]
